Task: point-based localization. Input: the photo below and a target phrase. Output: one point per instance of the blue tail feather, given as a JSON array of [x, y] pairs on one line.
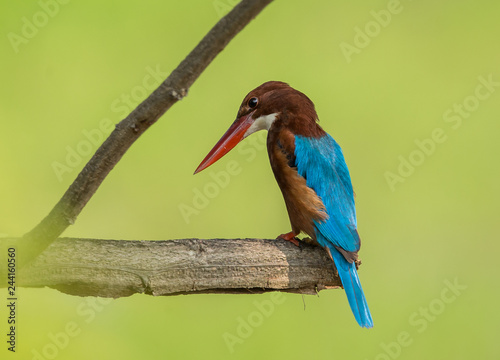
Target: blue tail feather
[[352, 286]]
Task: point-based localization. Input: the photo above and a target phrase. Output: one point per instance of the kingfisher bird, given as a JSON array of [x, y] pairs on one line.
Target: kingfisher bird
[[311, 172]]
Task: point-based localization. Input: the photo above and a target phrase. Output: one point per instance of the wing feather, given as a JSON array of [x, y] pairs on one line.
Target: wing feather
[[321, 162]]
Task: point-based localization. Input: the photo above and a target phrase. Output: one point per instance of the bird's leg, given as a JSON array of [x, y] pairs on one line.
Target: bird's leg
[[289, 237]]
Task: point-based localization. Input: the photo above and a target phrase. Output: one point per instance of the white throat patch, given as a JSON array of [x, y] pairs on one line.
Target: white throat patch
[[261, 123]]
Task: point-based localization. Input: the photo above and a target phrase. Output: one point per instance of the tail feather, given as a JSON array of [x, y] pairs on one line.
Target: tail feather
[[352, 286]]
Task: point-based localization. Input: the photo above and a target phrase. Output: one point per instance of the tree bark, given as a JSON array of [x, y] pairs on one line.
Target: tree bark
[[173, 89], [117, 268]]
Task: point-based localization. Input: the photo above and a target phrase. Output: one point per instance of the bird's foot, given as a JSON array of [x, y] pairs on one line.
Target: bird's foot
[[289, 237]]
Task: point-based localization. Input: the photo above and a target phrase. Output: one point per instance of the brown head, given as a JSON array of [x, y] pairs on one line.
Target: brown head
[[270, 106]]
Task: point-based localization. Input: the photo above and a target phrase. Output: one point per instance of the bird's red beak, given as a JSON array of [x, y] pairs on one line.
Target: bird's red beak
[[229, 140]]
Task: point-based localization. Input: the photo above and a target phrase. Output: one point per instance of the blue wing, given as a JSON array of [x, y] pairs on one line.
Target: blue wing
[[321, 162]]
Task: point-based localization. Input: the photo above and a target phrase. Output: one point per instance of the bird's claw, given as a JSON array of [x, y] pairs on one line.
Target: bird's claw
[[289, 237]]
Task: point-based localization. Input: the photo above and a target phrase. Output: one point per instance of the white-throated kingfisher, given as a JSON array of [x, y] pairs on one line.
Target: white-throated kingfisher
[[311, 172]]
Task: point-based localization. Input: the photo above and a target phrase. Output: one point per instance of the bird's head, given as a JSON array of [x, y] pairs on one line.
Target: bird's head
[[273, 102]]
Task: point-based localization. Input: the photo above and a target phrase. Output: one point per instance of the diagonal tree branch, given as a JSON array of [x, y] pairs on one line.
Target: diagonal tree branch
[[174, 88], [90, 267]]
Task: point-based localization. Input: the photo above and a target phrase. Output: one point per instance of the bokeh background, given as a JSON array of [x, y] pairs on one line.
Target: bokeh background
[[429, 234]]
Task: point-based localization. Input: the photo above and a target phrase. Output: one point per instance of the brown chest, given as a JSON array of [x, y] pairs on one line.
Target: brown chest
[[302, 203]]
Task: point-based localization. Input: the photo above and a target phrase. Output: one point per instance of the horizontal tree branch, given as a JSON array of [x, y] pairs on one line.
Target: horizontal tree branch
[[117, 268]]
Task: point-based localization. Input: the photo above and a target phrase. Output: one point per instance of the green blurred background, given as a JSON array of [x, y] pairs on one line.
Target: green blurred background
[[434, 227]]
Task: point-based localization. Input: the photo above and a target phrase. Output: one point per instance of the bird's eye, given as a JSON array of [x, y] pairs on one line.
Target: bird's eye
[[253, 102]]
